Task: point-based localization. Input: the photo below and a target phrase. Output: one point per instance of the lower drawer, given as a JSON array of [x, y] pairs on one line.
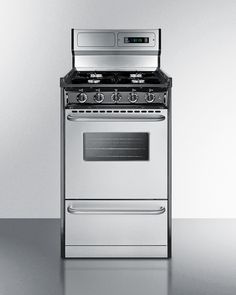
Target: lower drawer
[[111, 223]]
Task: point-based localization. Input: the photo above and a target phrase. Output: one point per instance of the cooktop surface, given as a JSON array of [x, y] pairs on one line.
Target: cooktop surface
[[96, 78]]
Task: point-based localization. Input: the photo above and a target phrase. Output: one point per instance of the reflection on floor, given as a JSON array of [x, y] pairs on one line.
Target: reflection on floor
[[116, 277], [203, 262]]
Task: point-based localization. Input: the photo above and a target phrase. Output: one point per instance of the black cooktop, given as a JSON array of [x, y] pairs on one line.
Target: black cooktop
[[75, 77]]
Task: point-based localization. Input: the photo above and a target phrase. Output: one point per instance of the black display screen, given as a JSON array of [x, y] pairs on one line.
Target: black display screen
[[136, 40]]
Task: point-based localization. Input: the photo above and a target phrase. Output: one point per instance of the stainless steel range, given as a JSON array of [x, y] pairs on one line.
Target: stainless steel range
[[116, 147]]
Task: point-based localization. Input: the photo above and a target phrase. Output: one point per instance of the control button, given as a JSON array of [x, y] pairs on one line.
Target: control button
[[133, 97], [116, 96], [82, 97], [99, 97], [149, 97]]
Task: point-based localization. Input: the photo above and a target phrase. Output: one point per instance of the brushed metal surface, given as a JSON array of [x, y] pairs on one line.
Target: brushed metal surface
[[116, 251], [118, 62], [95, 39], [143, 229], [120, 179], [105, 50], [103, 40]]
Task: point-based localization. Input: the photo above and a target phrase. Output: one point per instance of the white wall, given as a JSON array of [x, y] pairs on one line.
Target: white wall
[[199, 48]]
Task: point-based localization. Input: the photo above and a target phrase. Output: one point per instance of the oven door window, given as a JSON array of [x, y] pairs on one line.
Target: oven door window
[[116, 146]]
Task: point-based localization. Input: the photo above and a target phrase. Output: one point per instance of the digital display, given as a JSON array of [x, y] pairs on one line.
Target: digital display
[[136, 40]]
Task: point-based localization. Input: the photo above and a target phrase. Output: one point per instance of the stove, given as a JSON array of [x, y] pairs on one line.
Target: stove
[[116, 147]]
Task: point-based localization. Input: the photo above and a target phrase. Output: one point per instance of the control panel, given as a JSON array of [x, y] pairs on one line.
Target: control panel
[[102, 96], [104, 40], [136, 39]]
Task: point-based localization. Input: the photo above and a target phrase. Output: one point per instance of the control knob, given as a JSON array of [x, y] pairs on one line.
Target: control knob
[[99, 97], [82, 97], [149, 97], [133, 97], [116, 96]]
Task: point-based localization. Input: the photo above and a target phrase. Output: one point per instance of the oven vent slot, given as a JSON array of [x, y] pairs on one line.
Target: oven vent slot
[[115, 111]]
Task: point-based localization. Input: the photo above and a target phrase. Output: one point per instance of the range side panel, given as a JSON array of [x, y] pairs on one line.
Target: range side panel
[[169, 177], [62, 172]]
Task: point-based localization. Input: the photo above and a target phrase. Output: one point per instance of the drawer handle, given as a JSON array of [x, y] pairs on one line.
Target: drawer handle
[[72, 210]]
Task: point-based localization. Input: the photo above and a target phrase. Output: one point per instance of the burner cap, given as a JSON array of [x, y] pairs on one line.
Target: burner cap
[[136, 81], [93, 81], [136, 75], [95, 75]]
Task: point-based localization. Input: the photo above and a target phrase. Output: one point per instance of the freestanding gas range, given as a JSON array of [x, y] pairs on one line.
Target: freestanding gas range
[[116, 147]]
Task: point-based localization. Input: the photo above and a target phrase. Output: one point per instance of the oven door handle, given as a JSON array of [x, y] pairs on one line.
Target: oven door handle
[[119, 118], [72, 210]]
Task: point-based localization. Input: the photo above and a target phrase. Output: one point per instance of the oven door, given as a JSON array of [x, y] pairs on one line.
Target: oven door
[[116, 155]]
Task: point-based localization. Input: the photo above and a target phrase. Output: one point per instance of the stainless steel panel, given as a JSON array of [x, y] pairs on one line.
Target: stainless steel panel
[[116, 251], [96, 39], [118, 179], [101, 40], [137, 223], [104, 50], [116, 62]]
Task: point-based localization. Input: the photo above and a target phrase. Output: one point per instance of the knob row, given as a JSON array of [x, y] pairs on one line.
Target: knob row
[[116, 97]]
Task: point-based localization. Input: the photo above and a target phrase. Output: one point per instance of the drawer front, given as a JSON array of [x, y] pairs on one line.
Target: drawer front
[[141, 222]]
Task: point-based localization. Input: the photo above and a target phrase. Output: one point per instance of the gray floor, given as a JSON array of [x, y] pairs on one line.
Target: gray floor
[[203, 262]]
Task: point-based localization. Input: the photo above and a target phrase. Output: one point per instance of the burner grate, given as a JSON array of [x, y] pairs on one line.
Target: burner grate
[[115, 78]]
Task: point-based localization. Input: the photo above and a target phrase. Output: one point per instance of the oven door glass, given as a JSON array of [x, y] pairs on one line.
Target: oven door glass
[[115, 159], [116, 146]]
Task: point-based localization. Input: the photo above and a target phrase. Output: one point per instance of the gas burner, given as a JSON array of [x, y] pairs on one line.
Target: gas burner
[[93, 81], [95, 75], [138, 81], [138, 78], [136, 75]]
